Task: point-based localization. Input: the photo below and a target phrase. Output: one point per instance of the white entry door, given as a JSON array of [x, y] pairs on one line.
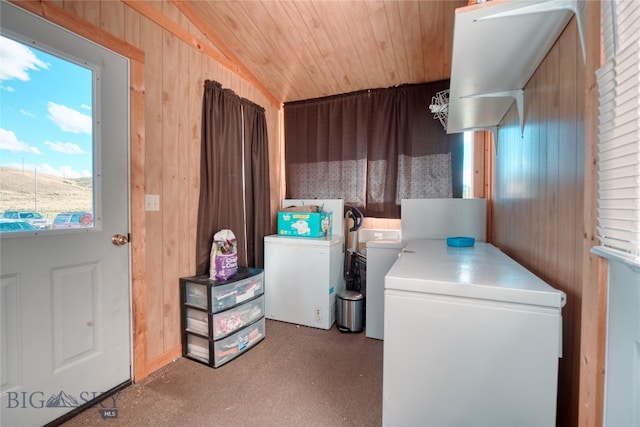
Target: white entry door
[[65, 301]]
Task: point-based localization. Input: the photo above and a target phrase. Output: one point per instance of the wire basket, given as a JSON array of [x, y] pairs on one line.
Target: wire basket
[[440, 106]]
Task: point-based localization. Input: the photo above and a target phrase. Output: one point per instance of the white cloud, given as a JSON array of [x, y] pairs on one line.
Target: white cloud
[[64, 171], [26, 113], [68, 119], [45, 168], [85, 107], [9, 141], [69, 172], [19, 166], [65, 147], [17, 60], [49, 170], [9, 89]]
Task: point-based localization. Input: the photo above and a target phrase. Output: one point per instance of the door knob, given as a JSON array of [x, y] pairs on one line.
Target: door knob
[[119, 239]]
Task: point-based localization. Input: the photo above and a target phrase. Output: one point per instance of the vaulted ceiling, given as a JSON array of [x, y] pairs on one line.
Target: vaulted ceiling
[[303, 49]]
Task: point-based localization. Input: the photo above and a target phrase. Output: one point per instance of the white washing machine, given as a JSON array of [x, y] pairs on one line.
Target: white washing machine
[[381, 255]]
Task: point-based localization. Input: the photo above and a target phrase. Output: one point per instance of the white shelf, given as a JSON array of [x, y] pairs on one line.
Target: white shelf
[[497, 46]]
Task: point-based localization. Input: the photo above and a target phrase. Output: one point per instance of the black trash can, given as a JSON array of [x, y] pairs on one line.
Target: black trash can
[[349, 308]]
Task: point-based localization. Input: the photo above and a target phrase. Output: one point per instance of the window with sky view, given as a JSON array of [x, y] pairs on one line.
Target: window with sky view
[[46, 134]]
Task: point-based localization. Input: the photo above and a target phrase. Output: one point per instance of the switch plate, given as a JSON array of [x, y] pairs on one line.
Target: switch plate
[[152, 202]]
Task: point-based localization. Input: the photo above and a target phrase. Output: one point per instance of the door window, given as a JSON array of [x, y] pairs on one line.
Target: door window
[[47, 154]]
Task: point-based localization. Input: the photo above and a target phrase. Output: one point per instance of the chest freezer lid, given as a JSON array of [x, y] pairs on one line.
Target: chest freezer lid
[[305, 241], [479, 272]]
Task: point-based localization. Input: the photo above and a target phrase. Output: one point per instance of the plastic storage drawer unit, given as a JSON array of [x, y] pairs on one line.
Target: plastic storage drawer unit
[[222, 319]]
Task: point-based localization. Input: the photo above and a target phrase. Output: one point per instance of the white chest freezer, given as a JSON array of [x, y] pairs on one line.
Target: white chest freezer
[[471, 339], [302, 277]]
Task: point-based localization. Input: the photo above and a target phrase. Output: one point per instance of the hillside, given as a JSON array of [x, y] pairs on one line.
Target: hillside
[[54, 194]]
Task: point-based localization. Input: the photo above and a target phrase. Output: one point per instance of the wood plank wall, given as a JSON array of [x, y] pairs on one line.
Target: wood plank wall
[[166, 150], [174, 77], [538, 195]]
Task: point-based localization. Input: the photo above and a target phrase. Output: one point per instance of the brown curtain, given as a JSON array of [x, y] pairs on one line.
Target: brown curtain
[[233, 177], [258, 206], [382, 155], [319, 164], [372, 149]]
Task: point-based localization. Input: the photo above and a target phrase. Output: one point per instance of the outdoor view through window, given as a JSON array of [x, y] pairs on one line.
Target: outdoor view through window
[[46, 141]]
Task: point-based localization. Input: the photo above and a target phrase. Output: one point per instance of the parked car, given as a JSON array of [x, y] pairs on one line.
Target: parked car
[[15, 225], [32, 217], [81, 219]]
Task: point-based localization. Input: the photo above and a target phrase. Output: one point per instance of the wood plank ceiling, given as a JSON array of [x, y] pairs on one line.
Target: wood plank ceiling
[[303, 49]]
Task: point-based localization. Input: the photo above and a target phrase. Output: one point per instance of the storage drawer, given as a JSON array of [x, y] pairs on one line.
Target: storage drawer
[[197, 321], [226, 349], [224, 294], [229, 321], [197, 348], [225, 322]]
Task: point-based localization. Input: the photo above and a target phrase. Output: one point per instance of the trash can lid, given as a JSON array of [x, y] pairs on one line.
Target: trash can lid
[[350, 295]]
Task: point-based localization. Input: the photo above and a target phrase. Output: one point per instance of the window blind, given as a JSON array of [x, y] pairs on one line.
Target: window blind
[[619, 132]]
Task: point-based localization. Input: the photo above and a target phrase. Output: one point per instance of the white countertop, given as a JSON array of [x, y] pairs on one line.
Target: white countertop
[[480, 272]]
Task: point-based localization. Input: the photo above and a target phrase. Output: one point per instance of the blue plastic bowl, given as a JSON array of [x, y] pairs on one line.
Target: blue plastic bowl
[[461, 242]]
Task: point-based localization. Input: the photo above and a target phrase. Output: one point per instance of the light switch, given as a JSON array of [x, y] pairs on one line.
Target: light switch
[[151, 202]]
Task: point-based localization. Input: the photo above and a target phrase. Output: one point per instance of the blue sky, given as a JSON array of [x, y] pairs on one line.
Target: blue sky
[[45, 112]]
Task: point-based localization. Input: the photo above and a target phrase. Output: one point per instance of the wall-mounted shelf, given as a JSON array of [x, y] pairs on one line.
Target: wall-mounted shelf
[[497, 46]]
